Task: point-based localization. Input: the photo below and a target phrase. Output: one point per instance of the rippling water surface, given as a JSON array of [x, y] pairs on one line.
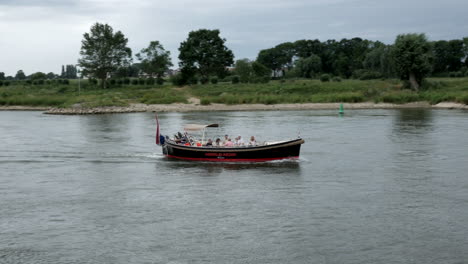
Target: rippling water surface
[[373, 186]]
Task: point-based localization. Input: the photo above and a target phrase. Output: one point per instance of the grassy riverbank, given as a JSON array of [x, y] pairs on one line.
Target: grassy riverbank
[[276, 92]]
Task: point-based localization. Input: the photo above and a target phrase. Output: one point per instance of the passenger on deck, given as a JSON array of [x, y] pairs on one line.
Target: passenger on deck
[[239, 141], [252, 141], [209, 143], [218, 142], [225, 140], [229, 143]]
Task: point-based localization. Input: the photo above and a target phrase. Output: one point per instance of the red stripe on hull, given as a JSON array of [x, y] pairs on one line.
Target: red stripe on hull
[[231, 160]]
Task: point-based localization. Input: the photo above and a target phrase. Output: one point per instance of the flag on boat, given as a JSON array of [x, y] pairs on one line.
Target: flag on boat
[[158, 142]]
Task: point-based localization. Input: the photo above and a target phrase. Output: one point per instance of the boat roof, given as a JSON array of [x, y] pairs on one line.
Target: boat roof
[[198, 127]]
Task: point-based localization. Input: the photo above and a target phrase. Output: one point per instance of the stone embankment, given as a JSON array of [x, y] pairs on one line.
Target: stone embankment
[[134, 108]]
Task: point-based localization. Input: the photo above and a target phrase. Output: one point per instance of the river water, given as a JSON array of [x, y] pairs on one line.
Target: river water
[[372, 186]]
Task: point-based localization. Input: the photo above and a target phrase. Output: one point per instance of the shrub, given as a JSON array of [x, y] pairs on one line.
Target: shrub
[[119, 82], [150, 81], [456, 74], [141, 81], [66, 82], [363, 74], [1, 83], [235, 79], [134, 81], [112, 82], [6, 83], [29, 82], [93, 81], [336, 79], [214, 80], [193, 80], [178, 80], [126, 81], [160, 81], [325, 78], [205, 101], [204, 80]]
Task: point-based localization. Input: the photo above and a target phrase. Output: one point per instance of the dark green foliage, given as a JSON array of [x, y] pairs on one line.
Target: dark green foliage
[[243, 70], [366, 75], [112, 82], [278, 57], [134, 81], [260, 70], [413, 58], [126, 81], [235, 79], [66, 82], [141, 81], [155, 60], [2, 76], [204, 53], [69, 72], [37, 76], [204, 80], [20, 75], [308, 67], [150, 81], [6, 83], [336, 79], [325, 78], [457, 74], [93, 81], [1, 83], [194, 80], [178, 80], [103, 52], [119, 81], [28, 82], [214, 80], [205, 101], [159, 81]]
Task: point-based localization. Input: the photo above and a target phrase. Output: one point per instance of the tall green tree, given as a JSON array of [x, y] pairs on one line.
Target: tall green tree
[[20, 75], [51, 75], [205, 53], [2, 76], [155, 60], [308, 67], [37, 76], [243, 69], [103, 52], [413, 58], [261, 71]]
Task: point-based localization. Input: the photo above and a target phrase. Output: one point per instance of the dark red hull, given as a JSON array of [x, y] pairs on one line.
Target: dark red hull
[[283, 150]]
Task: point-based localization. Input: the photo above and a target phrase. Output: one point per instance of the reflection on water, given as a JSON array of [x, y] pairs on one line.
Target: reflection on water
[[413, 121], [96, 189], [292, 167]]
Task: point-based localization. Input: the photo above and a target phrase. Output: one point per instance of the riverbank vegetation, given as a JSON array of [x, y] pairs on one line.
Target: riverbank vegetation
[[89, 94], [305, 71]]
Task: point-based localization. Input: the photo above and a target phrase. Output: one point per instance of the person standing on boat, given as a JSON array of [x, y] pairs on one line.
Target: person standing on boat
[[239, 141], [252, 141], [226, 139], [229, 143]]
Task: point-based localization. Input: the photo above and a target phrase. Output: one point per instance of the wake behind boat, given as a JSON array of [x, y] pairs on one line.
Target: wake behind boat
[[186, 147]]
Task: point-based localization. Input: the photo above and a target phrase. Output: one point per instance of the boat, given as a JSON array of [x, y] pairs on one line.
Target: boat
[[185, 147]]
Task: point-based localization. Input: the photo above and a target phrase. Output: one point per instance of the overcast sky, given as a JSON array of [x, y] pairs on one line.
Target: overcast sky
[[42, 35]]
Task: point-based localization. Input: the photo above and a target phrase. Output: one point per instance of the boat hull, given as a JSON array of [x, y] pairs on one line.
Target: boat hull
[[283, 150]]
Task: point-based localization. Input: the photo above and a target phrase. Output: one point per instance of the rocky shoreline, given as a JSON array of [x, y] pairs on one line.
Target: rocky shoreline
[[134, 108]]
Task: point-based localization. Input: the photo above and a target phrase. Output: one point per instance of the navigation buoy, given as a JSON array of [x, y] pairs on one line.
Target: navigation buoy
[[341, 109]]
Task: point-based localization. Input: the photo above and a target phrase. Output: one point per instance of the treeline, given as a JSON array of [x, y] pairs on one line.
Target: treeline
[[68, 72], [359, 58], [204, 57]]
